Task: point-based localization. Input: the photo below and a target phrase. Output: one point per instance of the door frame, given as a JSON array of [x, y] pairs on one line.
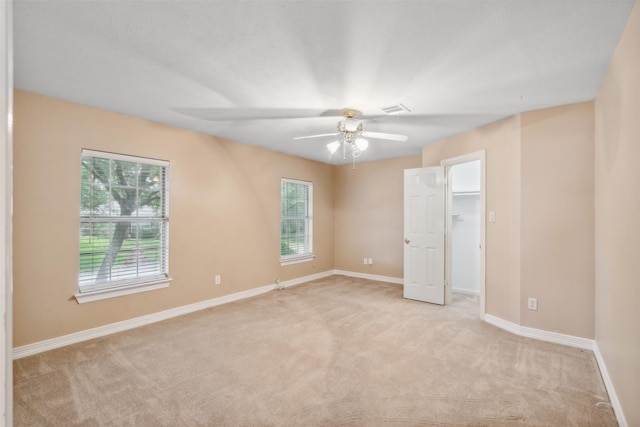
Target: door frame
[[6, 197], [448, 163]]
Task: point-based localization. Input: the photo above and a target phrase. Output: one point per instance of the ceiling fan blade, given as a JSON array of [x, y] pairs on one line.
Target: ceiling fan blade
[[389, 136], [232, 114], [315, 136]]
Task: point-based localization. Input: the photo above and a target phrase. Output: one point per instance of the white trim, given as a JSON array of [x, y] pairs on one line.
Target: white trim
[[100, 331], [447, 163], [296, 260], [123, 157], [465, 291], [295, 181], [613, 397], [100, 294], [553, 337], [308, 218], [388, 279], [305, 279], [6, 209]]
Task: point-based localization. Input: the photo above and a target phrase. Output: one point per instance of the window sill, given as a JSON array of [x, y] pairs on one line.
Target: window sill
[[290, 261], [97, 295]]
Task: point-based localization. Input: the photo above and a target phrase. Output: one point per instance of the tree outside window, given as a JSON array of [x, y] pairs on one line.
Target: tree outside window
[[124, 220]]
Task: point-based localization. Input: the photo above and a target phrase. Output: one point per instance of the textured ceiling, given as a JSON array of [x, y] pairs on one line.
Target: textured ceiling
[[264, 72]]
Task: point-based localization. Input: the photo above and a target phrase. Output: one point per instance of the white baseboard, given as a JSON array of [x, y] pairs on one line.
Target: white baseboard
[[388, 279], [613, 397], [582, 343], [305, 279], [554, 337], [100, 331], [465, 292]]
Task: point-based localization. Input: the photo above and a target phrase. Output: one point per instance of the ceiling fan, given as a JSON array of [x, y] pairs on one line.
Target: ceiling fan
[[351, 134]]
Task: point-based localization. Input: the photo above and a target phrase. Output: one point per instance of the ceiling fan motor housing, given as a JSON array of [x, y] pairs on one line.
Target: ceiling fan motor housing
[[349, 125]]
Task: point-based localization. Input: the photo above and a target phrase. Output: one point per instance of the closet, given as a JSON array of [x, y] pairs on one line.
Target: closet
[[465, 228]]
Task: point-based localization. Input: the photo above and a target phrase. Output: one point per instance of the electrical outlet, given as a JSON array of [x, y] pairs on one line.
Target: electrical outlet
[[218, 279], [532, 304]]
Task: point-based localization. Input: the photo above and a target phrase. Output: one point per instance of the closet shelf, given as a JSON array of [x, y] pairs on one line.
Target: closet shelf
[[465, 193]]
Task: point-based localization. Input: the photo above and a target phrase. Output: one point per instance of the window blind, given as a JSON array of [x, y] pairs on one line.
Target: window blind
[[124, 220], [296, 227]]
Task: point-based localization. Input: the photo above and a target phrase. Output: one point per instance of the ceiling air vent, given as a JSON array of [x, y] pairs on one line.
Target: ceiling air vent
[[395, 109]]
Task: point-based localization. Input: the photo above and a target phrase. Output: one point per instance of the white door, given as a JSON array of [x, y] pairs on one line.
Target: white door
[[424, 241]]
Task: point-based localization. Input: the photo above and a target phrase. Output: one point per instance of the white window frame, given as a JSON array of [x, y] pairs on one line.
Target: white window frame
[[308, 217], [112, 289]]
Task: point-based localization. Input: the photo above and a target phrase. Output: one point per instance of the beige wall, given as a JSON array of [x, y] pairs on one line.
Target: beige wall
[[557, 252], [501, 140], [617, 219], [224, 207], [539, 172], [369, 216]]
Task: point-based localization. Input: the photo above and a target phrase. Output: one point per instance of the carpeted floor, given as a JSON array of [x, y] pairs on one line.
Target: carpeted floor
[[337, 351]]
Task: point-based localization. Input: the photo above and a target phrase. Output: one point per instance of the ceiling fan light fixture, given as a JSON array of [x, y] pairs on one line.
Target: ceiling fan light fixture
[[333, 146], [351, 136], [362, 143], [349, 125]]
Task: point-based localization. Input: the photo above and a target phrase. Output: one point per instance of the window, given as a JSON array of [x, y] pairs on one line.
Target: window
[[124, 223], [296, 221]]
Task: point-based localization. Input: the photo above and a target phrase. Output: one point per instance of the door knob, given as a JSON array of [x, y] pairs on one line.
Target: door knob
[[407, 241]]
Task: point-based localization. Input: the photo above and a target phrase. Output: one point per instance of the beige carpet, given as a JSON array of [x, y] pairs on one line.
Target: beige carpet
[[337, 351]]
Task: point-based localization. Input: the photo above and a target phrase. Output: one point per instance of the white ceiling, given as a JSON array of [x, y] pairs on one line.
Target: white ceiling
[[264, 72]]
